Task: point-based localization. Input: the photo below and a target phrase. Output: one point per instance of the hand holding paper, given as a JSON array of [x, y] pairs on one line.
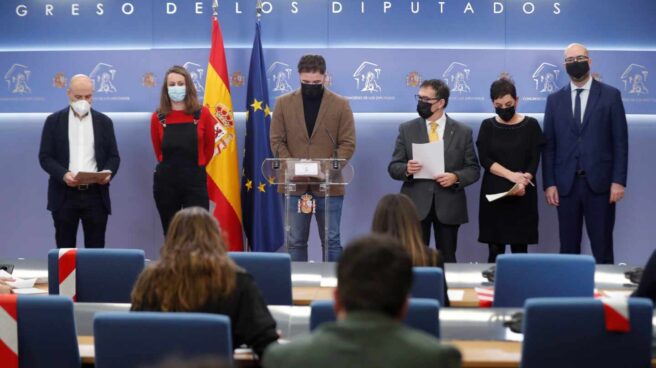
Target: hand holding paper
[[101, 177]]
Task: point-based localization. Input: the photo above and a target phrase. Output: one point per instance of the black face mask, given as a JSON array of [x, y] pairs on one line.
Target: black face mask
[[506, 114], [577, 70], [424, 109], [312, 91]]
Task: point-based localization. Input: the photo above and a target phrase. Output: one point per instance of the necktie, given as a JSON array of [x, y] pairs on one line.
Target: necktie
[[577, 106], [432, 136]]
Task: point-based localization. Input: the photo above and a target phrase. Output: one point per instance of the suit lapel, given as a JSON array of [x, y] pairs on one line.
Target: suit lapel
[[63, 121], [593, 98], [97, 136], [323, 110], [567, 95], [299, 113], [449, 129], [421, 132]]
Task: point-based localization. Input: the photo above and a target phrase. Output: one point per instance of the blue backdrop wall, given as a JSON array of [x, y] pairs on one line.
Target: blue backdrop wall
[[377, 52]]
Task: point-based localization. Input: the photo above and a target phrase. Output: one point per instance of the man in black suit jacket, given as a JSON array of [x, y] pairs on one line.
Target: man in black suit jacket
[[441, 203], [79, 139]]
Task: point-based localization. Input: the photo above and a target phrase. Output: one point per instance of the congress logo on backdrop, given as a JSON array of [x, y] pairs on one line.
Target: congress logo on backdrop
[[635, 80], [367, 77], [546, 78], [413, 79], [237, 79], [59, 80], [17, 77], [102, 77], [196, 72], [456, 77], [280, 75], [148, 80]]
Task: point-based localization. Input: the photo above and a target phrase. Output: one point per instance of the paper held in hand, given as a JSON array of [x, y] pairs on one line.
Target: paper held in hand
[[494, 197], [431, 157], [92, 177]]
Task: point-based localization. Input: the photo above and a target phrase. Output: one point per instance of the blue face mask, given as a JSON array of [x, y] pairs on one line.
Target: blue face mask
[[177, 93]]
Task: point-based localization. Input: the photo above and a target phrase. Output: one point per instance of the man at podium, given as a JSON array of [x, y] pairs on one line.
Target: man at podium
[[313, 123]]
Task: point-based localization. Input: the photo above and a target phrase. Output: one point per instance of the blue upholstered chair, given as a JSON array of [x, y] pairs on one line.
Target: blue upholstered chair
[[428, 283], [46, 332], [139, 339], [423, 315], [522, 276], [272, 273], [570, 332], [101, 275]]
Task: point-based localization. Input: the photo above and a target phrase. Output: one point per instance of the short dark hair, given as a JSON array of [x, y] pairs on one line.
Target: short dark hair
[[440, 88], [502, 87], [374, 274], [311, 64]]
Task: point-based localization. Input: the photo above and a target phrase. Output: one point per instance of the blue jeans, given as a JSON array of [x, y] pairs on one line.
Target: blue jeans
[[299, 228]]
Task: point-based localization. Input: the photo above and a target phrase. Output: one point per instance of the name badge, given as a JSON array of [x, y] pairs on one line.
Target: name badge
[[306, 168]]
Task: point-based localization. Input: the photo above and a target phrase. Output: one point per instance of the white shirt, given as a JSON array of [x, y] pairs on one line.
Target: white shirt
[[584, 96], [441, 124], [81, 144]]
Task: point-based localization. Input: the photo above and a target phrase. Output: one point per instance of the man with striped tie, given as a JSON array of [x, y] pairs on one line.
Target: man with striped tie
[[441, 203]]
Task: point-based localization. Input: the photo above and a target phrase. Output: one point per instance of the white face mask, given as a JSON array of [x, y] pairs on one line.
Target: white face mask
[[81, 107]]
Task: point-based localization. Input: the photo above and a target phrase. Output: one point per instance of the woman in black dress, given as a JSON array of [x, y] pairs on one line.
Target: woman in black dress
[[509, 147]]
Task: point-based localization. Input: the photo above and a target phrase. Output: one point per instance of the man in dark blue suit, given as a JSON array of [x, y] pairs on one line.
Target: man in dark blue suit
[[79, 139], [585, 159]]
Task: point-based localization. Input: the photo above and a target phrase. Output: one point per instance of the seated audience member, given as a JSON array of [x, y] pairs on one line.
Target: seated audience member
[[647, 286], [374, 278], [396, 215], [195, 274]]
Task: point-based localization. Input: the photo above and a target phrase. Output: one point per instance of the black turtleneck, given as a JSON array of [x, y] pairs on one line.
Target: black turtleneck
[[311, 110]]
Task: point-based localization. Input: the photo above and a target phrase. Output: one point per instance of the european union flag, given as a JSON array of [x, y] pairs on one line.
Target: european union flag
[[261, 202]]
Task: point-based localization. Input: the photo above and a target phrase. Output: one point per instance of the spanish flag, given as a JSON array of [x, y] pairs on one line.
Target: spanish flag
[[223, 168]]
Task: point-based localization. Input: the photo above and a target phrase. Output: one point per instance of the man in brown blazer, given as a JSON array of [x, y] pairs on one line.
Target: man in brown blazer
[[312, 123]]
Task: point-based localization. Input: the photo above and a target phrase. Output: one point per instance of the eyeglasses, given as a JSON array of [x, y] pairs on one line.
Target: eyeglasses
[[426, 99], [577, 58]]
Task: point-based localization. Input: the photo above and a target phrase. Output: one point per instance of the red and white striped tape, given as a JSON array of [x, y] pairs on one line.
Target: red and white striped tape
[[485, 297], [67, 265], [616, 314], [8, 331]]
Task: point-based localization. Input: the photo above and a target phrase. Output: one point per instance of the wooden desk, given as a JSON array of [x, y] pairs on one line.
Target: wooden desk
[[304, 295]]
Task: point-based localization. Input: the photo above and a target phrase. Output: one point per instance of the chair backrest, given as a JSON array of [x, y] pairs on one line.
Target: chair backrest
[[523, 276], [428, 283], [272, 273], [139, 339], [570, 332], [423, 315], [101, 275], [46, 332]]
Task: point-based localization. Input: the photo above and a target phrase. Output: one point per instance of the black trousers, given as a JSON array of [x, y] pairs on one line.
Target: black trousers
[[496, 249], [446, 236], [86, 206], [580, 203], [179, 186]]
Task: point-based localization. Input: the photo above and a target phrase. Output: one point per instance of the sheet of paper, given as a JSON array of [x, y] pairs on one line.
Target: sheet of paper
[[431, 157], [21, 283], [29, 291], [494, 197], [84, 177], [456, 295], [5, 275]]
